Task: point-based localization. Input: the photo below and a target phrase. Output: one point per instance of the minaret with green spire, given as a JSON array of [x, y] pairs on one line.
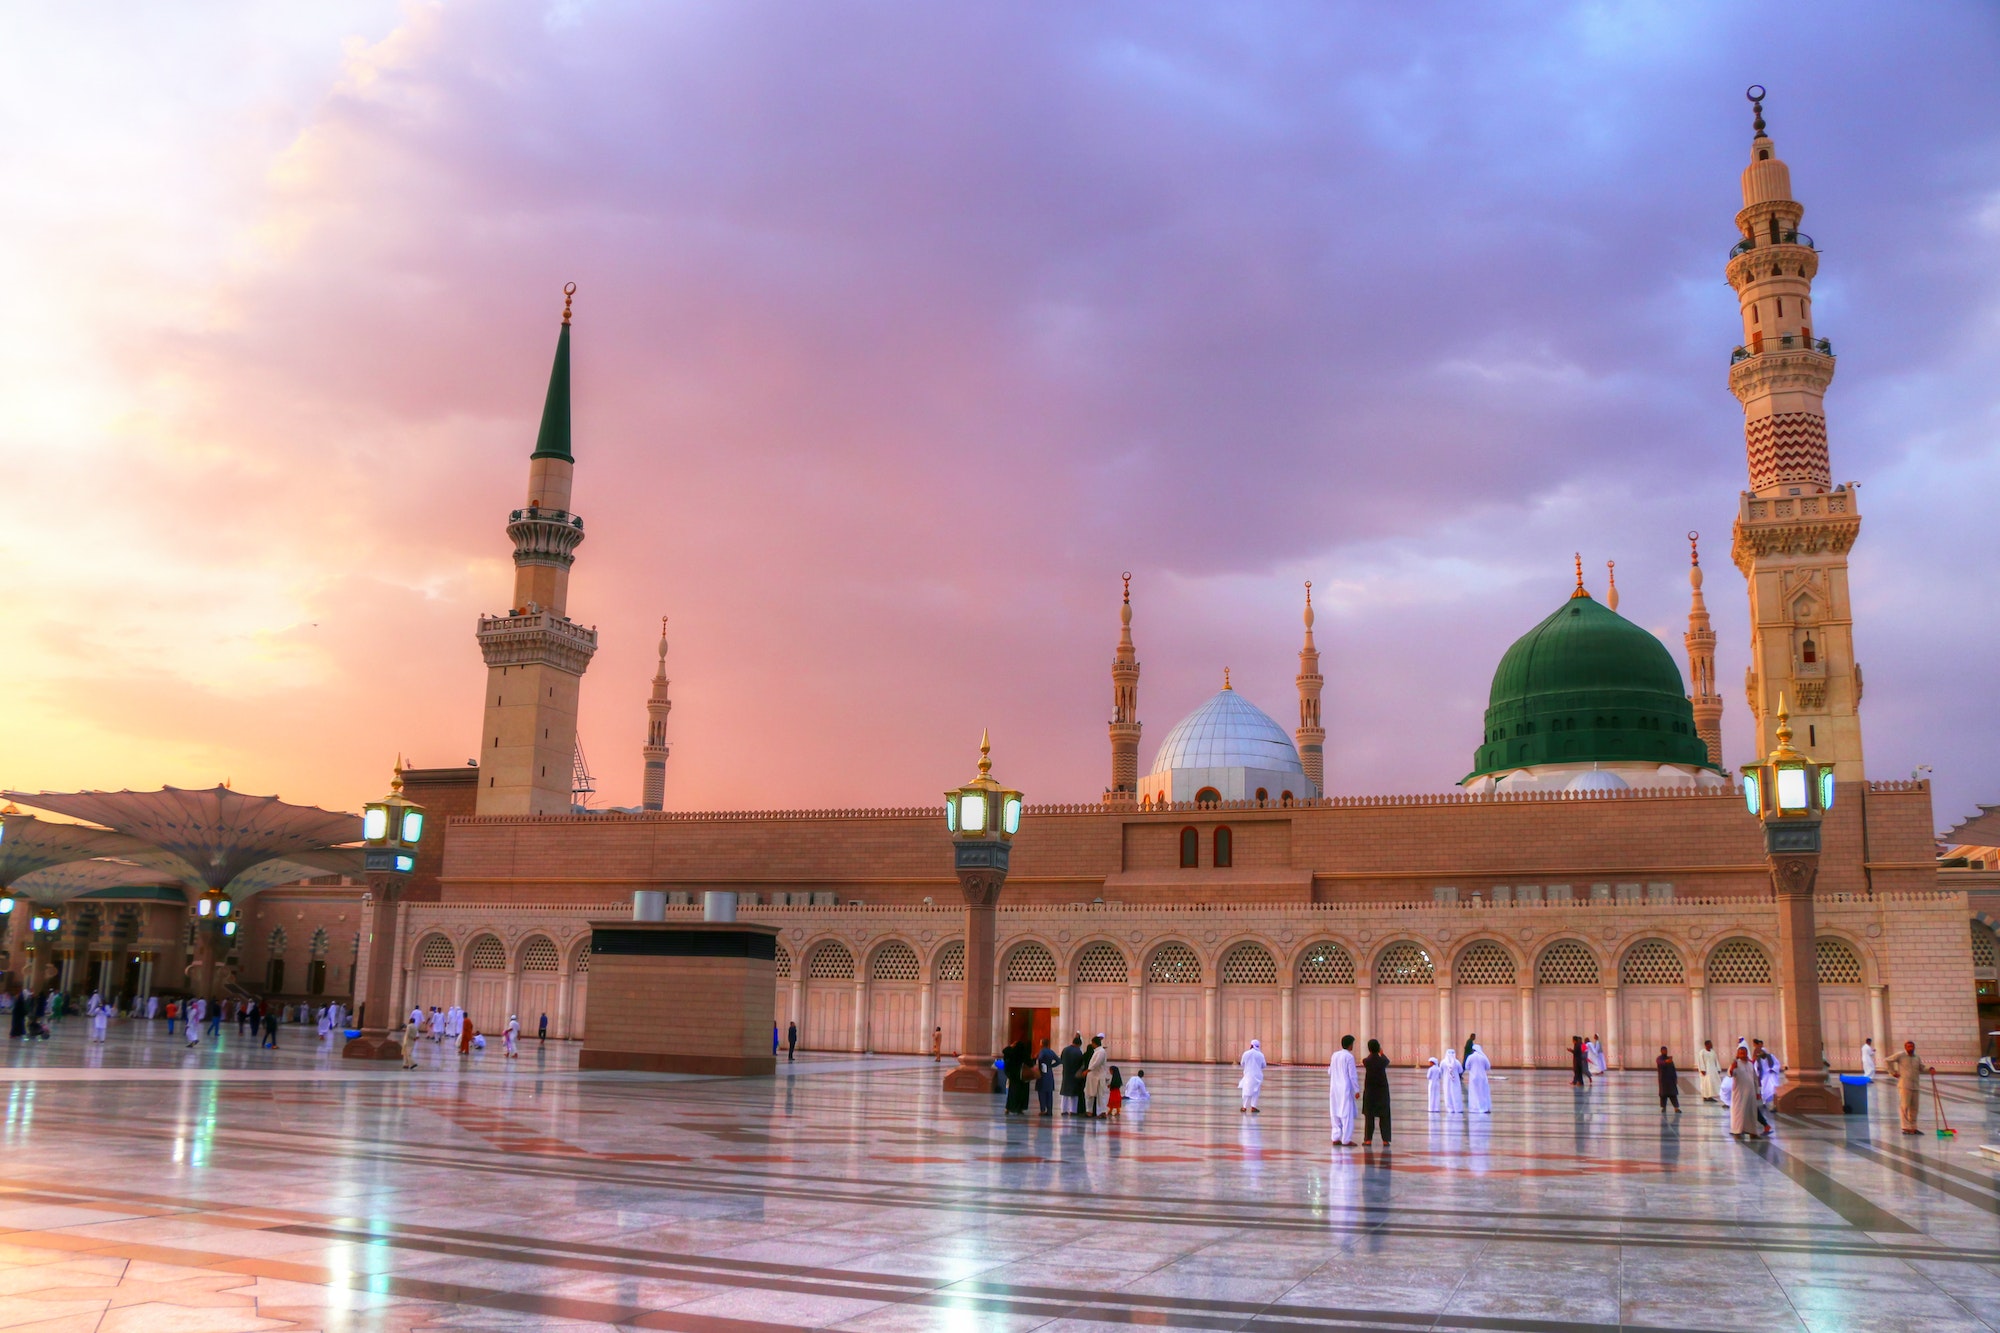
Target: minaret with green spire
[[535, 655]]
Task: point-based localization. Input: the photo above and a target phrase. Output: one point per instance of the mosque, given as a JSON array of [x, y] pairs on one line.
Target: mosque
[[1594, 872]]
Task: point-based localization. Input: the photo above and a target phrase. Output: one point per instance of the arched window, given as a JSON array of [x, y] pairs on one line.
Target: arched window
[[540, 955], [1263, 796], [436, 951], [1225, 849], [1566, 963], [1810, 653], [1286, 798], [1984, 952], [1173, 964], [1208, 796], [1102, 964], [1485, 963], [317, 945], [1249, 964], [951, 962], [1031, 961], [1404, 964], [1652, 963], [1739, 962], [894, 961], [486, 955], [784, 961], [1839, 965], [830, 962], [1326, 964], [1190, 849]]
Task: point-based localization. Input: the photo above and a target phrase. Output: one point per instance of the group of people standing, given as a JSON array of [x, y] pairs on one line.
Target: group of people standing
[[1462, 1085], [1082, 1077], [457, 1025]]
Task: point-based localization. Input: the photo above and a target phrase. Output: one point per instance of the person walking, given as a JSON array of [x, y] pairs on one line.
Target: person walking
[[542, 1032], [1095, 1074], [1014, 1064], [1670, 1082], [173, 1012], [1478, 1081], [1765, 1085], [196, 1011], [270, 1029], [1868, 1059], [1908, 1070], [1743, 1101], [1374, 1094], [1252, 1082], [1343, 1089], [410, 1031], [1046, 1064], [791, 1041], [1579, 1070], [1073, 1061], [1454, 1090], [1595, 1049], [937, 1044], [1434, 1077], [1709, 1065], [512, 1037]]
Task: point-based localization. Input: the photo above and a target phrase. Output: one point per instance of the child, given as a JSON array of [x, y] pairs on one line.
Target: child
[[1135, 1088], [1117, 1086]]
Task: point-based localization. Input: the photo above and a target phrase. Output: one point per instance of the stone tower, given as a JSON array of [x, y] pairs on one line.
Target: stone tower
[[1311, 736], [535, 655], [1124, 709], [657, 708], [1701, 661], [1794, 527]]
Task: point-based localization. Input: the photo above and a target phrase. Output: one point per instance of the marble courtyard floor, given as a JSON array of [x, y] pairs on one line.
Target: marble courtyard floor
[[143, 1187]]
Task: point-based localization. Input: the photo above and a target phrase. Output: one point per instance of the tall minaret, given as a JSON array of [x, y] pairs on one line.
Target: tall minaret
[[1124, 708], [1311, 736], [1701, 661], [657, 708], [1794, 527], [535, 655]]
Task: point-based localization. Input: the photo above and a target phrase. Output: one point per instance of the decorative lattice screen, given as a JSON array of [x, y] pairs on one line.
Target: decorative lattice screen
[[1739, 963], [1031, 962], [1652, 963], [1249, 965], [1566, 963], [830, 962], [436, 951], [894, 961], [1326, 964], [1101, 963], [784, 961], [1173, 964], [1485, 963], [318, 943], [583, 959], [486, 955], [951, 962], [278, 940], [1404, 964], [540, 955], [1839, 965], [1983, 950]]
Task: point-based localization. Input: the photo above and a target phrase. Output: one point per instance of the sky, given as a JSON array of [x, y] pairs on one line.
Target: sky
[[903, 330]]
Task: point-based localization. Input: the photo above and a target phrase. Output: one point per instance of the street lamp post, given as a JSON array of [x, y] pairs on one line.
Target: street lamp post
[[983, 817], [213, 926], [391, 828], [1790, 793]]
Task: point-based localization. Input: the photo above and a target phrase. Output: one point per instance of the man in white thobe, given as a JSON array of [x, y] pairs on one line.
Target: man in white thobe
[[1478, 1091], [1434, 1075], [100, 1018], [1096, 1078], [513, 1037], [1709, 1065], [1594, 1055], [1454, 1091], [196, 1011], [1252, 1081], [1868, 1059], [1342, 1091]]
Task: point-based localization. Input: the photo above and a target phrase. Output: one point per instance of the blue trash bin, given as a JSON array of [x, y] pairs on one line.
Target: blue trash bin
[[1854, 1094]]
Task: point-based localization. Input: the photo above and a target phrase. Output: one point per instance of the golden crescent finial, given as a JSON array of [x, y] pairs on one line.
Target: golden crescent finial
[[569, 291], [1579, 578], [1309, 592], [1225, 679], [1694, 547], [1127, 576]]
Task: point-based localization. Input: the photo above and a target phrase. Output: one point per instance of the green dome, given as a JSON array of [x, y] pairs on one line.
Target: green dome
[[1587, 685]]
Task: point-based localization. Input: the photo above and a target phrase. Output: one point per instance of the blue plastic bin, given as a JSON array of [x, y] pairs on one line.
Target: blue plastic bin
[[1854, 1094]]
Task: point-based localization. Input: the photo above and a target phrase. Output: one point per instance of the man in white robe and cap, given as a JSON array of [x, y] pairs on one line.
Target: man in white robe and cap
[[1454, 1091], [197, 1010], [1594, 1049], [1868, 1059], [1709, 1065], [1342, 1092], [1252, 1081], [1478, 1091], [1742, 1096], [1434, 1075], [1096, 1078]]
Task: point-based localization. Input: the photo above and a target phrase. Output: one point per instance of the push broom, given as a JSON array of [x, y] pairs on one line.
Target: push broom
[[1944, 1129]]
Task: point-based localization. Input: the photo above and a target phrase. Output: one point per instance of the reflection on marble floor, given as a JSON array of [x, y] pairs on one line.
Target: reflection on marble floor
[[146, 1187]]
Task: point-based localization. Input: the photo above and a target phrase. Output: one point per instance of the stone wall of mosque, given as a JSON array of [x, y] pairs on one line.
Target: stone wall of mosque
[[1196, 981], [300, 941]]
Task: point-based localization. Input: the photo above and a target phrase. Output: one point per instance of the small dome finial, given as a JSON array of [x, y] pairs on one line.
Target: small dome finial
[[1755, 94], [1127, 576], [1694, 561], [569, 291], [985, 753], [396, 782], [1611, 582], [1225, 679], [1309, 604], [1579, 578]]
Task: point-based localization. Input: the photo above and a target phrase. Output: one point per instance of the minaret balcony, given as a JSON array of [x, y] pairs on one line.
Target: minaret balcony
[[545, 536], [1749, 243], [531, 637], [1786, 342]]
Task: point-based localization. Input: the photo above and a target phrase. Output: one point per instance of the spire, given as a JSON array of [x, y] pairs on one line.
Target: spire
[[1579, 578], [1700, 642], [1311, 736], [1225, 679], [1611, 580], [986, 753], [552, 441], [1124, 707], [654, 754]]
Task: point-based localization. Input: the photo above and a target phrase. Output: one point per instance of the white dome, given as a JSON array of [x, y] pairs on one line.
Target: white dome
[[1228, 732], [1598, 779]]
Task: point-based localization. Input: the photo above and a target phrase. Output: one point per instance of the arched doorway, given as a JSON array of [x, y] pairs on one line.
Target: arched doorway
[[950, 996], [1176, 1027], [316, 963], [540, 985], [1653, 1004], [894, 998], [1406, 1003], [1485, 1001], [1326, 1001], [274, 965], [579, 992], [1101, 998], [829, 1024], [1028, 1000], [1740, 999], [1569, 1000], [436, 979], [1843, 1003], [486, 984], [1249, 999], [781, 1002]]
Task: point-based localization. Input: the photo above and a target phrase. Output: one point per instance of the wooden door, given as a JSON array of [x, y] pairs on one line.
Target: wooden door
[[829, 1024], [1247, 1012], [1654, 1016], [1843, 1016], [1405, 1024], [1108, 1009], [541, 993], [1325, 1015], [435, 987], [486, 1000], [1493, 1013], [950, 1016], [1562, 1012], [893, 1016], [1741, 1011], [1173, 1023]]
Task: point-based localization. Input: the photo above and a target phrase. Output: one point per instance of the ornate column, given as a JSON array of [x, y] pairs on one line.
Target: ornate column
[[374, 989], [1614, 1053], [926, 1012], [1138, 1021], [1064, 1016], [1366, 997], [1527, 1027], [1878, 1018], [1286, 1055], [1447, 1038], [1211, 1023], [860, 1040], [1698, 1015]]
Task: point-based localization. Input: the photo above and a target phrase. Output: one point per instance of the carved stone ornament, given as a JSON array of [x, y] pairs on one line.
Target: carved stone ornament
[[1063, 936], [1527, 932], [1138, 935], [1874, 932], [798, 932], [1694, 932]]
